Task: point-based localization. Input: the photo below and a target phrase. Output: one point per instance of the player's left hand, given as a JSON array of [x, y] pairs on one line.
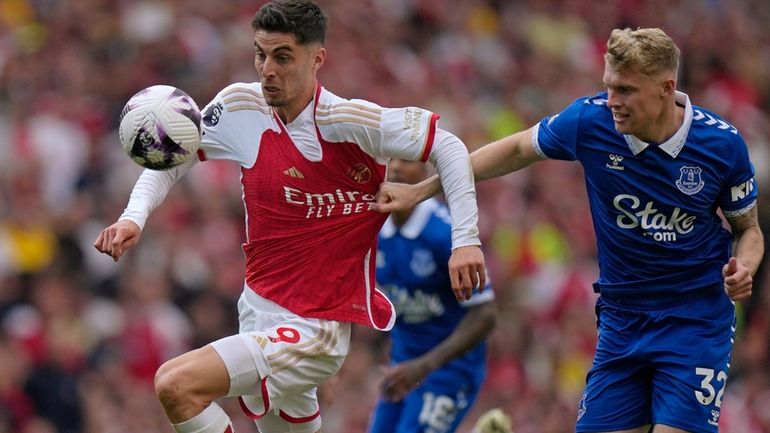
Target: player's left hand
[[398, 380], [466, 271], [738, 280]]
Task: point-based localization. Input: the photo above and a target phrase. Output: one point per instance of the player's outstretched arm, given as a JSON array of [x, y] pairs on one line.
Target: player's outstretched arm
[[401, 378], [117, 238], [492, 160], [148, 193], [748, 250], [504, 156]]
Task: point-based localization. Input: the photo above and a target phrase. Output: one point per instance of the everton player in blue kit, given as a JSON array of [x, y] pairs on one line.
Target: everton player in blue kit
[[659, 171], [437, 354]]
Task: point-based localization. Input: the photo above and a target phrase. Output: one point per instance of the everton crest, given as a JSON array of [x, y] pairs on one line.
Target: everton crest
[[690, 181], [422, 264]]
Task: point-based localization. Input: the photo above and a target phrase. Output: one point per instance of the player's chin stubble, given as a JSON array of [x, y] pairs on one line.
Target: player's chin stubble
[[275, 102]]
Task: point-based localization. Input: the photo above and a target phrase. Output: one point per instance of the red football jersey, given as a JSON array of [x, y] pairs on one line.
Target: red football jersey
[[311, 237]]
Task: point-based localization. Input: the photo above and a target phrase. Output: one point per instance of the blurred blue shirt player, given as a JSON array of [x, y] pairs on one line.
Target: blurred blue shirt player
[[437, 353], [660, 174]]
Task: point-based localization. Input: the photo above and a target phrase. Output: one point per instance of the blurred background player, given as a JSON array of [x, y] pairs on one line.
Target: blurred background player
[[438, 350], [660, 174], [311, 163]]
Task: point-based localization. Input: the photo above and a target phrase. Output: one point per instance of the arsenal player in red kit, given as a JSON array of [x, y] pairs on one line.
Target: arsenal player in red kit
[[311, 165]]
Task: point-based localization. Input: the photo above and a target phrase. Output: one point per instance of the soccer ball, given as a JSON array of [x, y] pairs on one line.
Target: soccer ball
[[160, 127]]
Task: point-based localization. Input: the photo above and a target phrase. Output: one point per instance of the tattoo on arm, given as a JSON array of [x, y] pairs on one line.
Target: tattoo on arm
[[740, 224]]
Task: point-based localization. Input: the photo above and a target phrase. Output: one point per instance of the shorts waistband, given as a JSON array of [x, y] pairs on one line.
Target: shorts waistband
[[262, 304]]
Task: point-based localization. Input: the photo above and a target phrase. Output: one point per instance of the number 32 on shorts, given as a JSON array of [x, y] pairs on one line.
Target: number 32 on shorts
[[708, 393]]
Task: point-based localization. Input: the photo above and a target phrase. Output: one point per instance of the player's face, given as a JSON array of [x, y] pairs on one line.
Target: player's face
[[637, 102], [287, 70], [403, 171]]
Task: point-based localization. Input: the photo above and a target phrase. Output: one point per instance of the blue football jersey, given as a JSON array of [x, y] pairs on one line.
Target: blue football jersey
[[654, 206], [412, 271]]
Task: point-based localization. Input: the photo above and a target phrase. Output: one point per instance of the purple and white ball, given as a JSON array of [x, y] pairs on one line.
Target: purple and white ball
[[160, 127]]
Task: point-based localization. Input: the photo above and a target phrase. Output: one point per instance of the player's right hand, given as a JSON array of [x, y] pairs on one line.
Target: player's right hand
[[400, 379], [394, 197], [117, 238]]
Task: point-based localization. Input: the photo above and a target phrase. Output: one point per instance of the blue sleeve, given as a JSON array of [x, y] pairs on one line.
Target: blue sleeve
[[556, 136], [740, 191]]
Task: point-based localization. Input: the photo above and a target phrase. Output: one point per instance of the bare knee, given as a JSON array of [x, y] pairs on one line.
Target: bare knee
[[187, 384], [171, 383], [163, 375]]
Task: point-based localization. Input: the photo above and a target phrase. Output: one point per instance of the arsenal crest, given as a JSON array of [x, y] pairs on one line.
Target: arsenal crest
[[690, 181], [360, 173]]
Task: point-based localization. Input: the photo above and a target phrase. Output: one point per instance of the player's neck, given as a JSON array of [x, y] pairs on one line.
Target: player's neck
[[291, 111], [669, 122]]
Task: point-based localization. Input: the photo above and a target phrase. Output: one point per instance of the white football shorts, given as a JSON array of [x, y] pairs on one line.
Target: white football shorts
[[278, 359]]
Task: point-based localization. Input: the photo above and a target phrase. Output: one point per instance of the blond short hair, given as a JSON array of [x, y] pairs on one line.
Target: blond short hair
[[649, 49]]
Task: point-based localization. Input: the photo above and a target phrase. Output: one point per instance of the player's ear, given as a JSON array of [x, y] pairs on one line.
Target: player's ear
[[668, 87], [319, 56]]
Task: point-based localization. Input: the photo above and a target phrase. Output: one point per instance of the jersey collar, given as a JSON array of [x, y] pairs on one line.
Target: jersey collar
[[414, 225], [673, 145], [307, 117]]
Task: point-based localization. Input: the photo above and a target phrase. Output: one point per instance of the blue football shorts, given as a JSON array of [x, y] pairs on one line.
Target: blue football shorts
[[438, 405], [659, 366]]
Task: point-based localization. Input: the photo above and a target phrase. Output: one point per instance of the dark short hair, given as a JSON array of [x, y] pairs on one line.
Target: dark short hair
[[302, 18]]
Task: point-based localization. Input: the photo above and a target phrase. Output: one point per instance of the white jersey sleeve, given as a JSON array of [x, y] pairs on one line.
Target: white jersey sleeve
[[404, 133], [450, 157], [233, 122], [231, 126], [408, 133], [150, 190], [225, 136]]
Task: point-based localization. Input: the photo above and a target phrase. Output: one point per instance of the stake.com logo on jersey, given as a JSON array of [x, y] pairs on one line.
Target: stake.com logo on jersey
[[657, 225], [322, 205]]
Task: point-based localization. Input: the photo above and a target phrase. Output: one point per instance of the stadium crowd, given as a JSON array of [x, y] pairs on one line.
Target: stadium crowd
[[81, 336]]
